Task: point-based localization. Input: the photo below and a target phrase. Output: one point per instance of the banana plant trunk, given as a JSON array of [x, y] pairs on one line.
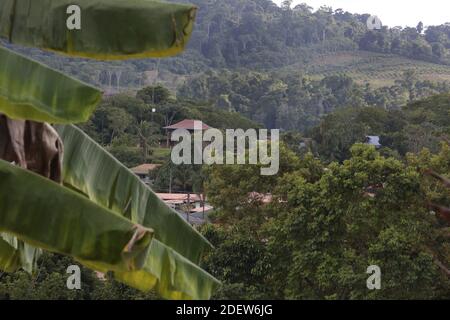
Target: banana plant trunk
[[33, 146]]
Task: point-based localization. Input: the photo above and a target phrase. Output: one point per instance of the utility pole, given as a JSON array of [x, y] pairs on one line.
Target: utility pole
[[203, 205], [170, 179], [188, 208]]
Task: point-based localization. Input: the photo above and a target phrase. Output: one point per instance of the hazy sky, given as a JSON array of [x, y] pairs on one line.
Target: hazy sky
[[392, 12]]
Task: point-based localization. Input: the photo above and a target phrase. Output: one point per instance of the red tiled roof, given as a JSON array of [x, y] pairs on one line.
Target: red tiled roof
[[189, 125], [178, 197]]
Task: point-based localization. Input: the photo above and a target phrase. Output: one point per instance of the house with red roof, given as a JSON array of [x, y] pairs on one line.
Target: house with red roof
[[187, 124]]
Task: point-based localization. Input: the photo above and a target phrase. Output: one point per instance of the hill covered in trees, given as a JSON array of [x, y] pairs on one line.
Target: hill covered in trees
[[284, 67], [258, 35], [297, 102]]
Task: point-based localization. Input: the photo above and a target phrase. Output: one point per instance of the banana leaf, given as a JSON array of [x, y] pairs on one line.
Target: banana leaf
[[171, 275], [168, 273], [90, 169], [176, 248], [110, 29], [32, 91], [47, 215]]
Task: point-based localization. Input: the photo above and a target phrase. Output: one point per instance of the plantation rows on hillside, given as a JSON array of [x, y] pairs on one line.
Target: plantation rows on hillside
[[374, 68]]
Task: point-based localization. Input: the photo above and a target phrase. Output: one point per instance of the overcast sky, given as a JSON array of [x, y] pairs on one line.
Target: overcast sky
[[392, 12]]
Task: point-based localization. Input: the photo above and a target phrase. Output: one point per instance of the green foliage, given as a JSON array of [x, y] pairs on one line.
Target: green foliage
[[295, 102], [129, 156], [229, 189], [49, 283], [154, 95], [421, 124], [260, 36], [360, 213], [240, 260], [177, 178], [134, 134], [327, 224]]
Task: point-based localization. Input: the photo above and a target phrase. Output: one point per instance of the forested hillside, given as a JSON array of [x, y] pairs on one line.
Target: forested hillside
[[297, 102], [260, 36], [284, 67]]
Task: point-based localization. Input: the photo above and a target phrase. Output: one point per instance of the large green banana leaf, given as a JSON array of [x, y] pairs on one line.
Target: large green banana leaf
[[67, 222], [32, 91], [47, 215], [50, 216], [176, 248], [89, 168], [170, 274], [110, 29]]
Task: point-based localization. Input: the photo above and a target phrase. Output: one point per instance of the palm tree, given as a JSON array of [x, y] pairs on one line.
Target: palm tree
[[59, 190]]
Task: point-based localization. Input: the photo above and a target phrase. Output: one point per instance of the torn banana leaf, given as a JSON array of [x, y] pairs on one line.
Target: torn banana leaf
[[29, 90], [110, 29], [47, 215], [171, 275], [171, 268], [90, 169]]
